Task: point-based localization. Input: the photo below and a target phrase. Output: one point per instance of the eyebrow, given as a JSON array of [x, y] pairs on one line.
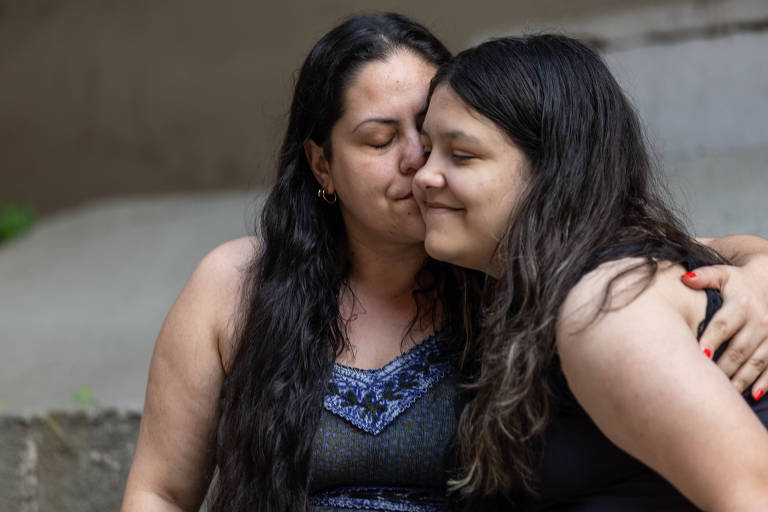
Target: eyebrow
[[380, 120], [455, 134]]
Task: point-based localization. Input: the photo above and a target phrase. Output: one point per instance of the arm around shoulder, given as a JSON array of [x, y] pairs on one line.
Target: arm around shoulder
[[637, 371], [174, 456], [740, 249]]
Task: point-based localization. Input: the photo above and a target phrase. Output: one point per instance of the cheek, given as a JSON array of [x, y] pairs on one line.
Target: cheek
[[498, 216], [498, 199], [366, 173], [418, 196], [352, 178]]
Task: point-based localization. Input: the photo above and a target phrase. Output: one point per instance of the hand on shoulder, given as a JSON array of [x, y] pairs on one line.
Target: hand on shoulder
[[637, 370]]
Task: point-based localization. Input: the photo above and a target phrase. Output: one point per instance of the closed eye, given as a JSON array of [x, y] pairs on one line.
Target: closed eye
[[382, 146]]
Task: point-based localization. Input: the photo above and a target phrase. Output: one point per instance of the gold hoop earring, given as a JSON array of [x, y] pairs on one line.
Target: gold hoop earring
[[322, 195]]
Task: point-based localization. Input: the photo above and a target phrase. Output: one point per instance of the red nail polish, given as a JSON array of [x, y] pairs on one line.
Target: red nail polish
[[689, 275], [708, 353], [758, 394]]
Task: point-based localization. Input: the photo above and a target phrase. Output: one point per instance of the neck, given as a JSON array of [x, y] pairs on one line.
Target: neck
[[385, 270]]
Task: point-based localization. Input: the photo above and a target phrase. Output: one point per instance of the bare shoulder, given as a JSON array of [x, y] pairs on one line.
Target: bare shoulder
[[625, 360], [214, 290], [630, 293], [609, 286], [638, 372], [219, 275], [174, 455], [228, 261]]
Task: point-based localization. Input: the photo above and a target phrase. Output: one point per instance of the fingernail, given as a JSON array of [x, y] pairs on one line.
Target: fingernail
[[708, 353], [689, 275], [758, 394]]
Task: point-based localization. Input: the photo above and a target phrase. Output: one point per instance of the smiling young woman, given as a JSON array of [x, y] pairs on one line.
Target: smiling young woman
[[470, 184], [590, 380]]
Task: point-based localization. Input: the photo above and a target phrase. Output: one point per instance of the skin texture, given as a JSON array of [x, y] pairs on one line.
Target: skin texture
[[612, 363], [469, 185], [376, 151], [682, 418]]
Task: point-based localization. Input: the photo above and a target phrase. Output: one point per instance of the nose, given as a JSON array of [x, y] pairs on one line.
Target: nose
[[428, 177], [413, 155]]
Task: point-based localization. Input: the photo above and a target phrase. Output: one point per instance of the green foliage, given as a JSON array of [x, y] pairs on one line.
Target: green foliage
[[14, 220], [84, 397]]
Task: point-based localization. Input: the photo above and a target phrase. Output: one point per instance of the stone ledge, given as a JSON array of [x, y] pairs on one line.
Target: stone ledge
[[66, 461]]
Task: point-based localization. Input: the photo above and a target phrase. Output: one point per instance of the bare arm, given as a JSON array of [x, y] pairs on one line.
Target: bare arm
[[739, 249], [174, 457], [638, 373]]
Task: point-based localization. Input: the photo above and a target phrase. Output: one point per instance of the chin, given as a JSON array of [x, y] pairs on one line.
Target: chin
[[450, 253], [440, 251]]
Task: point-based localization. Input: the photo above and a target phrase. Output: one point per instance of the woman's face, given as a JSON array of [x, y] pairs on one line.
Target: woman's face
[[469, 184], [376, 149]]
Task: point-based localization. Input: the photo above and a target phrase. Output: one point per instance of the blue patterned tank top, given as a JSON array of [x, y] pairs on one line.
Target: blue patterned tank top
[[384, 435]]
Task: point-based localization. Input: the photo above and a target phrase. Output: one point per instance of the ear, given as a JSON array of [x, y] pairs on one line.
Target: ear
[[320, 166]]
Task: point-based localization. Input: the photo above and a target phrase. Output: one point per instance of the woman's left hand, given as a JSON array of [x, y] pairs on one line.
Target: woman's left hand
[[743, 319]]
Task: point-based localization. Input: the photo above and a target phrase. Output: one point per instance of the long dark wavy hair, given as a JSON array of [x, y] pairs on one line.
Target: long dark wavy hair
[[290, 330], [590, 187]]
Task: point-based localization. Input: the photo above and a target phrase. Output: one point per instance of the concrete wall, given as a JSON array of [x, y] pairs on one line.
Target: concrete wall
[[83, 296], [698, 74], [105, 98], [65, 461], [697, 71]]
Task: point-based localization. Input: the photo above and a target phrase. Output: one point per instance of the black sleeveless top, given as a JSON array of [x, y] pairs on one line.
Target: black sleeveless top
[[384, 437], [579, 469]]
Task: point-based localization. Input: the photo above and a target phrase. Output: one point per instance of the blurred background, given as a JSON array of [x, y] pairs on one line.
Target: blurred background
[[136, 136]]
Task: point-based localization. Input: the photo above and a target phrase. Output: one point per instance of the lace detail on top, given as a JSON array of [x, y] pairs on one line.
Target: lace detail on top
[[383, 498], [372, 399]]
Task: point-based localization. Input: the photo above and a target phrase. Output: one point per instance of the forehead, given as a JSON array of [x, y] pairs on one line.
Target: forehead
[[448, 112], [392, 87]]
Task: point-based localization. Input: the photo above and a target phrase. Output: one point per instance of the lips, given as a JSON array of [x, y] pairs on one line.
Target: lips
[[440, 206]]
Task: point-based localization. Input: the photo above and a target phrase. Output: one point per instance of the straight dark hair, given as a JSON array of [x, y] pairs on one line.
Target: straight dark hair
[[290, 330], [590, 188]]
